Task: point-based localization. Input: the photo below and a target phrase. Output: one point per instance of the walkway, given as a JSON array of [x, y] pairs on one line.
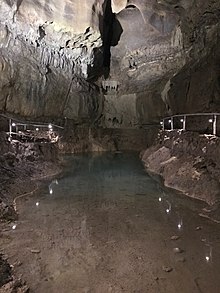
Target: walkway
[[28, 131], [206, 123]]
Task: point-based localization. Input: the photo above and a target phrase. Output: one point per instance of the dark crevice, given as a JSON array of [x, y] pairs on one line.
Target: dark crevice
[[111, 33], [108, 20], [19, 2], [110, 30], [41, 32], [131, 6]]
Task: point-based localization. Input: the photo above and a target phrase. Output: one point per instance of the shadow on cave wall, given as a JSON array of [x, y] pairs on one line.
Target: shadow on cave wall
[[111, 31]]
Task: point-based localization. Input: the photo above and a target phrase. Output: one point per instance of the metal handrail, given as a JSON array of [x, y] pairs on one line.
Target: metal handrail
[[183, 120], [15, 123], [195, 114], [32, 123]]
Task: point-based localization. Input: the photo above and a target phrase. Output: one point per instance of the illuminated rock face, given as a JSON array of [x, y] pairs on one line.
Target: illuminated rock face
[[55, 55], [48, 51]]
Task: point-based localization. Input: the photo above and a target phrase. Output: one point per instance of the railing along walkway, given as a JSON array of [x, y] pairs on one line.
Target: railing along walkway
[[181, 121], [32, 131]]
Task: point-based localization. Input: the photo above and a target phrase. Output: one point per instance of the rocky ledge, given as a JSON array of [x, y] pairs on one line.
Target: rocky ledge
[[8, 283], [187, 162], [21, 166]]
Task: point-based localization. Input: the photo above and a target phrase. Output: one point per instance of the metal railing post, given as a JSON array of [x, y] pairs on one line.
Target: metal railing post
[[184, 122], [215, 125], [10, 129], [171, 123]]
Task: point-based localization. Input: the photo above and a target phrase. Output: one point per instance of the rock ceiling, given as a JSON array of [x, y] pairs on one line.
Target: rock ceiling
[[55, 55]]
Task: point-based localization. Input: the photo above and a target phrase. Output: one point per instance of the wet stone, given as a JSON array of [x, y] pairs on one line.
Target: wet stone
[[175, 237], [181, 259], [35, 251], [177, 250], [167, 269]]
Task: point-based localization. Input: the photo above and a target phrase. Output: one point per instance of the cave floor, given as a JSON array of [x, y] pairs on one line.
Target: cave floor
[[106, 226]]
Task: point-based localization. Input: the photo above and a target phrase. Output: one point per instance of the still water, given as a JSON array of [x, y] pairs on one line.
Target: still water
[[106, 226]]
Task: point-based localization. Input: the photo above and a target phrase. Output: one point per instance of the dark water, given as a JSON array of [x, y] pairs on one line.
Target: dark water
[[106, 226]]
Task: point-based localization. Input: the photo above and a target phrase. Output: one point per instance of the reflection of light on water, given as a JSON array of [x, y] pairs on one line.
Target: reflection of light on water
[[37, 204], [208, 256], [180, 224], [168, 210], [51, 186]]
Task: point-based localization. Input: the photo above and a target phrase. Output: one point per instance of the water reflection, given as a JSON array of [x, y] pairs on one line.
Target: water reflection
[[180, 225], [179, 221], [166, 204], [107, 175], [54, 182], [108, 218], [208, 252], [168, 210]]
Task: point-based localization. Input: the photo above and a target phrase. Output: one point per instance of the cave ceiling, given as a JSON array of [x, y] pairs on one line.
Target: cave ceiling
[[53, 50]]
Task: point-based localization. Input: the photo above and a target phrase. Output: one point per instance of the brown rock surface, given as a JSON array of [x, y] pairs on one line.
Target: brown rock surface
[[187, 162]]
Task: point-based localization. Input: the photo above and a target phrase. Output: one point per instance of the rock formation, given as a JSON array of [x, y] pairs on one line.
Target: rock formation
[[56, 57], [188, 162]]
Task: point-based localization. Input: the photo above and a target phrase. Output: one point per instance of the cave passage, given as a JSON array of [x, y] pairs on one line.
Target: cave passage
[[106, 225]]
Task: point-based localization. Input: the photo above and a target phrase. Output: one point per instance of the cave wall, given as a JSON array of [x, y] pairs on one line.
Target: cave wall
[[54, 57], [169, 50], [196, 87], [46, 59]]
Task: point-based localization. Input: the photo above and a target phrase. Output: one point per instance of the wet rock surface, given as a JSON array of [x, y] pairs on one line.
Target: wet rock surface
[[188, 162], [21, 165], [5, 272], [8, 282]]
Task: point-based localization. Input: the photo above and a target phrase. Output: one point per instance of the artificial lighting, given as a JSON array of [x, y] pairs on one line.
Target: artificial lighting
[[167, 211], [161, 123], [179, 226], [160, 199], [14, 227], [37, 204], [13, 124], [181, 120], [50, 126], [207, 258], [210, 120], [51, 191], [37, 129], [169, 121]]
